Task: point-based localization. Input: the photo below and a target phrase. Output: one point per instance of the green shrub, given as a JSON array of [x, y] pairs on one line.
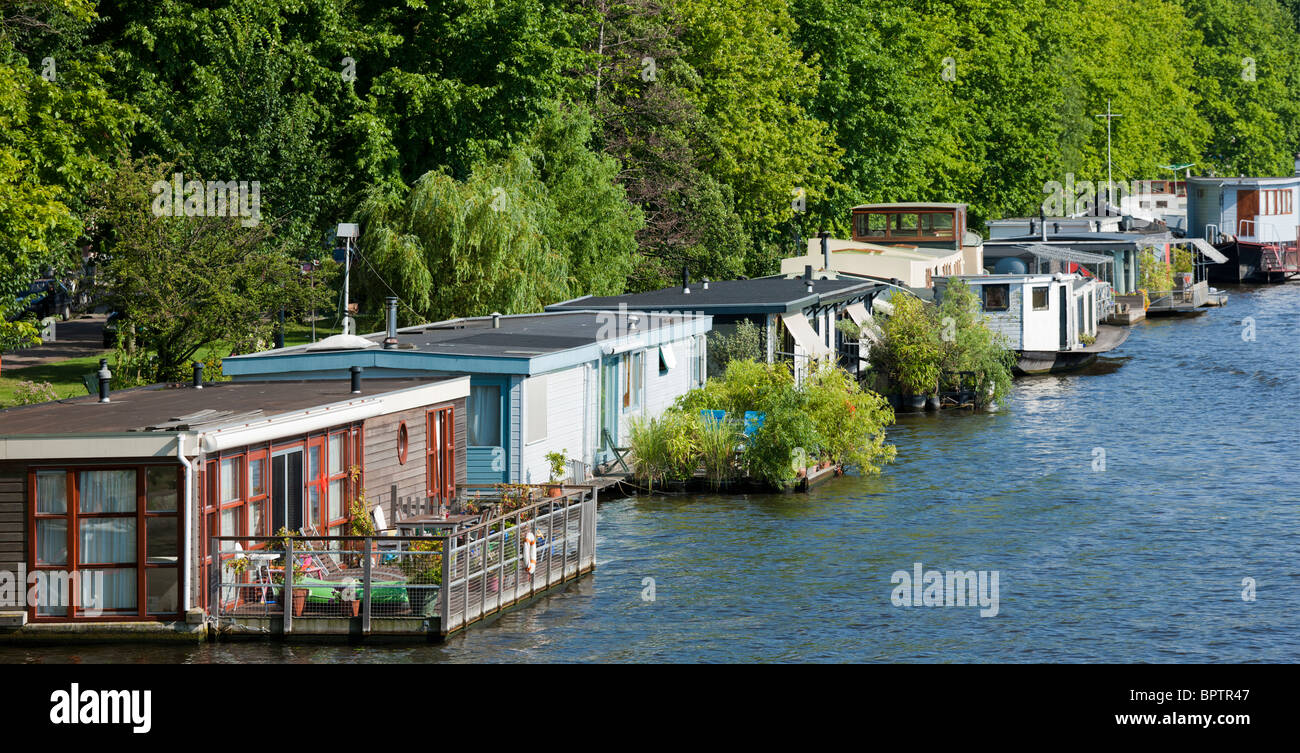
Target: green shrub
[[718, 441]]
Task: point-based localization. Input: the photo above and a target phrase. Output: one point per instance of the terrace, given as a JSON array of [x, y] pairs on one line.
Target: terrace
[[498, 546]]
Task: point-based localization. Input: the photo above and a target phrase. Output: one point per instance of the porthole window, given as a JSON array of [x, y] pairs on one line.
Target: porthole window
[[402, 441]]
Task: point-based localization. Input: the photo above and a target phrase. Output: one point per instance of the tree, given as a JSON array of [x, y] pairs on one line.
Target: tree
[[58, 128], [544, 223], [186, 283]]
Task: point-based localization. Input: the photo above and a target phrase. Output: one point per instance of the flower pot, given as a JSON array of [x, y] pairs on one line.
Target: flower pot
[[555, 490], [823, 465], [352, 608], [915, 402], [299, 601], [932, 402]]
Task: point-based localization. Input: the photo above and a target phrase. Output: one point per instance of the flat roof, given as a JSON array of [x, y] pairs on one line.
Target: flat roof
[[180, 407], [1240, 180], [778, 293], [912, 205], [518, 336]]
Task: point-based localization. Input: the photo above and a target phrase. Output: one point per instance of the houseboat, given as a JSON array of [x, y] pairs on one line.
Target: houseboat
[[564, 382], [1053, 321], [1253, 222], [909, 243], [796, 314], [124, 492]]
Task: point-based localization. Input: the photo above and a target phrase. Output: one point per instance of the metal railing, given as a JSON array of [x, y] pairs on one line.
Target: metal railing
[[525, 544], [516, 555]]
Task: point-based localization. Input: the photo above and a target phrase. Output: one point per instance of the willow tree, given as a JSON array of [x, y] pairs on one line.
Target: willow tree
[[545, 222], [456, 248]]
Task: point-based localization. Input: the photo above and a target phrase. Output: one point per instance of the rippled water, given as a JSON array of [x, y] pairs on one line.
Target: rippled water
[[1141, 561]]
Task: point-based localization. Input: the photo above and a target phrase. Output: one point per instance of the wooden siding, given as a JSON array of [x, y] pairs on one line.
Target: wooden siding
[[13, 518], [382, 469]]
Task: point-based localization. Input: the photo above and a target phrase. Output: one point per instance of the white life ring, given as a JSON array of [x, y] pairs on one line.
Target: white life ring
[[530, 551]]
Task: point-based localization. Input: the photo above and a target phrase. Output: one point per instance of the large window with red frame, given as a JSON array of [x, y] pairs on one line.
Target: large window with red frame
[[440, 456], [106, 542], [328, 461]]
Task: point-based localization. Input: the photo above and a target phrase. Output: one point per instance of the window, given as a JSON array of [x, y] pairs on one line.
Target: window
[[484, 417], [936, 224], [327, 476], [906, 225], [633, 379], [536, 405], [440, 456], [107, 542], [667, 359], [232, 496], [1042, 301], [997, 297], [258, 491]]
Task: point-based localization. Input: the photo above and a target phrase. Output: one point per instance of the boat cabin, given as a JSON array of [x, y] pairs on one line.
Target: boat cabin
[[796, 314], [109, 502], [565, 382], [1255, 222], [1038, 312]]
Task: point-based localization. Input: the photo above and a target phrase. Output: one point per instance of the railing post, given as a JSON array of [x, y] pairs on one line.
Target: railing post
[[365, 580], [288, 586], [214, 577], [392, 494], [444, 605]]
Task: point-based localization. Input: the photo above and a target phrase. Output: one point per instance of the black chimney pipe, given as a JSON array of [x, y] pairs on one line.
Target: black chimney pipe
[[356, 380], [279, 332], [686, 280], [826, 249], [198, 375], [105, 377]]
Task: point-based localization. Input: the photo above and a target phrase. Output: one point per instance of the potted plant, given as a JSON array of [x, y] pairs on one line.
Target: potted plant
[[557, 460]]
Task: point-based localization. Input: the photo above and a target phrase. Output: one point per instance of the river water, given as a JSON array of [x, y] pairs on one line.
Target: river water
[[1123, 510]]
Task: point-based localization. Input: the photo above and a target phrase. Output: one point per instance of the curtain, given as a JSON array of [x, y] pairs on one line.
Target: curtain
[[107, 491], [108, 590], [52, 492], [107, 540], [484, 416], [51, 542]]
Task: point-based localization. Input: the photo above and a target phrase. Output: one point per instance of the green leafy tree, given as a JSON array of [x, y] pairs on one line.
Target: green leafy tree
[[189, 283]]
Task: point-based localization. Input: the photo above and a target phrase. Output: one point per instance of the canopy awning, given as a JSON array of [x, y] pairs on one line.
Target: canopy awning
[[667, 361], [1059, 253], [1208, 251], [804, 335], [866, 325]]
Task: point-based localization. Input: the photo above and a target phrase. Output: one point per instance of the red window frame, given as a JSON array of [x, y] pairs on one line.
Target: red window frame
[[440, 455], [72, 516]]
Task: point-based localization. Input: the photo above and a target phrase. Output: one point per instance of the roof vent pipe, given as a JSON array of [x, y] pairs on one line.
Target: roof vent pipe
[[390, 303], [356, 380], [1042, 223], [496, 320], [706, 283], [1297, 163], [198, 375], [105, 377], [686, 280], [826, 248]]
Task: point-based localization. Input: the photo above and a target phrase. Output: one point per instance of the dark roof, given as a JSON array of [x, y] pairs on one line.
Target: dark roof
[[522, 335], [181, 407], [762, 294]]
